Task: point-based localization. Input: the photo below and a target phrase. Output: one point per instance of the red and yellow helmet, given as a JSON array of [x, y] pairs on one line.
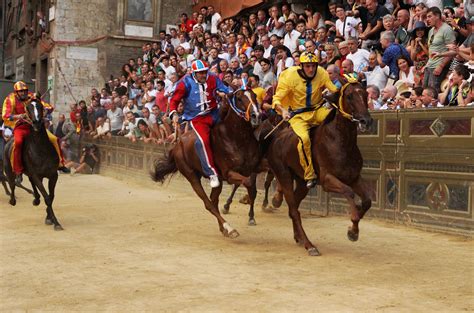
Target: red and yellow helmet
[[19, 86]]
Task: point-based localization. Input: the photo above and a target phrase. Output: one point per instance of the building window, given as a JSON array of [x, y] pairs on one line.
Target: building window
[[140, 10]]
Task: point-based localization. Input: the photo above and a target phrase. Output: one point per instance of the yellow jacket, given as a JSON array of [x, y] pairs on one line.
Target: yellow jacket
[[292, 90]]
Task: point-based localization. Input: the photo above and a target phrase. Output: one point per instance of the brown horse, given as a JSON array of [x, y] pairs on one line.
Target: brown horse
[[337, 160], [239, 117]]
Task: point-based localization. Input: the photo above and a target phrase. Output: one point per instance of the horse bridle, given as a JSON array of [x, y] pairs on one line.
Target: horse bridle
[[340, 108], [242, 114]]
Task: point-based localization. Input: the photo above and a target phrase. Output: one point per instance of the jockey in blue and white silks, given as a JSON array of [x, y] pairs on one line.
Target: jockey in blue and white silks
[[198, 92]]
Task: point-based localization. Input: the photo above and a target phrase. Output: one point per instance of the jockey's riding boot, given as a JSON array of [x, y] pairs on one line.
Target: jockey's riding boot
[[18, 179], [214, 181], [64, 169], [310, 183]]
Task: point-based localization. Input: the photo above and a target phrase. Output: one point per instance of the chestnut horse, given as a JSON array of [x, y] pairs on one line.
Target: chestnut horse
[[336, 159], [237, 154]]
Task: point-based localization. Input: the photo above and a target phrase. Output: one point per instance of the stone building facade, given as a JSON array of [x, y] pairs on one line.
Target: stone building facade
[[71, 46]]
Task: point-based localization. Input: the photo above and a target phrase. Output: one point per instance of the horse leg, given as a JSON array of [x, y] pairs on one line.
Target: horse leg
[[4, 183], [292, 199], [25, 189], [277, 199], [215, 193], [361, 188], [236, 178], [229, 200], [331, 184], [224, 227], [252, 193], [11, 183], [37, 199], [268, 182], [48, 199]]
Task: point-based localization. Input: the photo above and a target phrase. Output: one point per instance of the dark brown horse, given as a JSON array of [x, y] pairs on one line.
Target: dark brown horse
[[40, 161], [236, 154], [337, 161]]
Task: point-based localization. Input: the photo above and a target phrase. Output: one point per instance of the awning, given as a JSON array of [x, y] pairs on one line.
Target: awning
[[227, 8]]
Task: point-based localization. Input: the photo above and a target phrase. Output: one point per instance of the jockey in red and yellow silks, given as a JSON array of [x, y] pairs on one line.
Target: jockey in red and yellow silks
[[13, 113]]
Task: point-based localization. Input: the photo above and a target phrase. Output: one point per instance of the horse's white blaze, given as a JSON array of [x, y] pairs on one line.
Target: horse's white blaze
[[36, 111], [254, 106]]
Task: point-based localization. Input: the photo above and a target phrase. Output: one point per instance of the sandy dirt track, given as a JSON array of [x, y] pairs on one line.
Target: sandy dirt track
[[129, 248]]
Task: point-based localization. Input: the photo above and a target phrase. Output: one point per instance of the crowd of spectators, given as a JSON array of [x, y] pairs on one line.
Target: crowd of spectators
[[408, 54]]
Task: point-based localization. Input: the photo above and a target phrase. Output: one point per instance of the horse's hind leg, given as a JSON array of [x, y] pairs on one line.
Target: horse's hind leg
[[36, 200], [331, 184], [268, 182], [229, 200], [293, 198], [11, 183], [252, 192], [195, 182], [4, 184], [277, 199]]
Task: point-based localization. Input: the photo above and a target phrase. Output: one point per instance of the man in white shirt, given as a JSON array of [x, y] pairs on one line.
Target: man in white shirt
[[275, 23], [291, 38], [374, 74], [267, 46], [149, 96], [115, 116], [346, 26], [215, 19], [360, 57], [174, 37]]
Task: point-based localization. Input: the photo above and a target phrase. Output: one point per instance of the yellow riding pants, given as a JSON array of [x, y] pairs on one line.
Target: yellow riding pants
[[55, 141], [301, 124]]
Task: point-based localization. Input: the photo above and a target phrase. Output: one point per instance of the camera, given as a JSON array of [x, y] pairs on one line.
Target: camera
[[376, 47]]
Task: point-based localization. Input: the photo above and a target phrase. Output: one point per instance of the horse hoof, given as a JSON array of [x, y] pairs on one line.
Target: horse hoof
[[48, 222], [58, 227], [276, 202], [36, 202], [245, 200], [313, 252], [252, 222], [268, 210], [233, 234], [352, 235], [264, 205], [12, 202], [225, 210]]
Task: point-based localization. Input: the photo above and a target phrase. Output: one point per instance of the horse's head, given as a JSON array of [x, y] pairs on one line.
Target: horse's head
[[35, 112], [352, 103], [244, 103]]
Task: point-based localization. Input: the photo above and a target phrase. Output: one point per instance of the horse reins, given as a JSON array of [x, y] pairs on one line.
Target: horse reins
[[243, 114], [339, 107]]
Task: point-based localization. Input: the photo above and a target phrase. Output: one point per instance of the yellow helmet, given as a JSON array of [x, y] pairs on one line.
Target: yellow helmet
[[19, 86], [308, 57]]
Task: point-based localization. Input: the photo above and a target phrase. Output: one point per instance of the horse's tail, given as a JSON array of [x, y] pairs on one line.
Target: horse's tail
[[164, 167]]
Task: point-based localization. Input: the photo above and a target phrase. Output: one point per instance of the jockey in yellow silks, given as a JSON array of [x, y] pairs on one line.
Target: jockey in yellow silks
[[298, 98]]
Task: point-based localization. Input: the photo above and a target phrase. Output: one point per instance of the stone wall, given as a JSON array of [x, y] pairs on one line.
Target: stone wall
[[88, 19], [75, 21]]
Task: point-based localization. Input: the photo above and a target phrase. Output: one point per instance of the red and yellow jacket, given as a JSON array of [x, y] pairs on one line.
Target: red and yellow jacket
[[13, 106]]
